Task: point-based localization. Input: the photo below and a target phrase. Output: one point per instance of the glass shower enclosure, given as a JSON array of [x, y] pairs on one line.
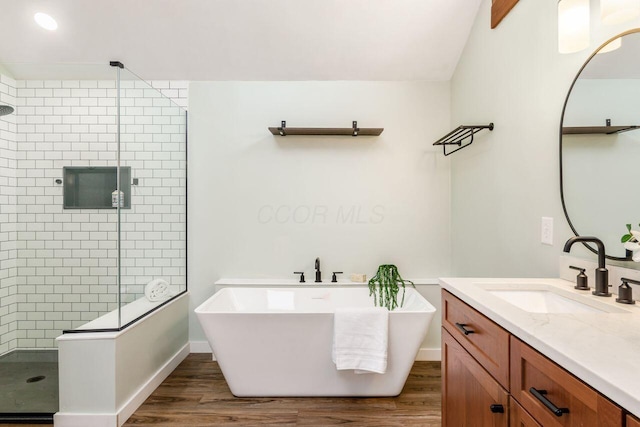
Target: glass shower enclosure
[[93, 176]]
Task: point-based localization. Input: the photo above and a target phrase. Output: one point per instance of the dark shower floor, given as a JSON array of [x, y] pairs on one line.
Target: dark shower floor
[[29, 382]]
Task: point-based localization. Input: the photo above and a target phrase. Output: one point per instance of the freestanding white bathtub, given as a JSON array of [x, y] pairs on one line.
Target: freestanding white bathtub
[[278, 342]]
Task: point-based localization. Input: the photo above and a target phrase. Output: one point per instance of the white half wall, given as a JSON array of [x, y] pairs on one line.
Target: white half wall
[[262, 206], [106, 376]]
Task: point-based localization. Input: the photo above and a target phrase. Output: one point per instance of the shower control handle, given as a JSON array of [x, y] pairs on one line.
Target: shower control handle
[[301, 273]]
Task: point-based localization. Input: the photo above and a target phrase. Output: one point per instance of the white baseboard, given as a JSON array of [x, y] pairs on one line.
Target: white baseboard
[[145, 391], [429, 355], [199, 347]]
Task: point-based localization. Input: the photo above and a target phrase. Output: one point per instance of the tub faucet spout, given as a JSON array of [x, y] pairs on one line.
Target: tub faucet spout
[[602, 274], [318, 273]]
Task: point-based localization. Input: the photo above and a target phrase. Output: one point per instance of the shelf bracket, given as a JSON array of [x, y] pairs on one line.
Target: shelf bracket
[[281, 129], [355, 128]]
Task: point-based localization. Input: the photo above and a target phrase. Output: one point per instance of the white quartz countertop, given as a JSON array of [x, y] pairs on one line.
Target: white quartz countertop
[[600, 348]]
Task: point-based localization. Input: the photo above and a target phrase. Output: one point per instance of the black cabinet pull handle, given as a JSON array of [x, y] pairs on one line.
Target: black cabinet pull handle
[[539, 394], [464, 330], [497, 409]]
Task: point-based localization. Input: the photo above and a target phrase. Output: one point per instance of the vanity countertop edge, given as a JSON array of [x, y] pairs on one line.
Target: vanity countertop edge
[[601, 349]]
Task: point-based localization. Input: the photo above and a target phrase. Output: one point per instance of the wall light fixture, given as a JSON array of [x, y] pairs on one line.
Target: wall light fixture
[[619, 11], [573, 25]]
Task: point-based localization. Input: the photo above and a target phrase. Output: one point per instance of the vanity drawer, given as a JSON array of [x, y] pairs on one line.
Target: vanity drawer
[[487, 342], [539, 385]]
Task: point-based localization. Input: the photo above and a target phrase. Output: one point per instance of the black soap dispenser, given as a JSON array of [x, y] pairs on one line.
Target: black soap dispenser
[[624, 291], [582, 281]]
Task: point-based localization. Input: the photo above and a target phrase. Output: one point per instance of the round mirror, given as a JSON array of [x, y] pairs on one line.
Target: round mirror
[[600, 145]]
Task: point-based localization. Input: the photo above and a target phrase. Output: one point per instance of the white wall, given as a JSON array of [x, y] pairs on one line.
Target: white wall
[[262, 206], [506, 181]]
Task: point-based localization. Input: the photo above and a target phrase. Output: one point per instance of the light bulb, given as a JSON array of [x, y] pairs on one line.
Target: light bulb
[[45, 21]]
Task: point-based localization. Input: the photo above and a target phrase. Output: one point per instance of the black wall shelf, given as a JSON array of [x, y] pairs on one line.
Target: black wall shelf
[[354, 130], [462, 137], [589, 130], [607, 129]]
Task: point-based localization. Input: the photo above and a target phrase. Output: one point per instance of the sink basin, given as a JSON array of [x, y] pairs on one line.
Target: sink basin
[[548, 299]]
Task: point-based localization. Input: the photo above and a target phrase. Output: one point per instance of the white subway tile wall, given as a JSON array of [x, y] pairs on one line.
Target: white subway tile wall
[[8, 251], [67, 258]]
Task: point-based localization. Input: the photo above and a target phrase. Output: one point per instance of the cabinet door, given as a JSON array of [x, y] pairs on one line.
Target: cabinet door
[[470, 396], [519, 417], [487, 342], [553, 396]]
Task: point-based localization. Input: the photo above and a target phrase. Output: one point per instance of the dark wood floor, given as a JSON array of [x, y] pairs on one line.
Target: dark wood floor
[[196, 394]]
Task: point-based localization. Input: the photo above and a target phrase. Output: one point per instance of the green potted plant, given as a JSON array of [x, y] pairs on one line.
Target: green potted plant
[[631, 242], [385, 285]]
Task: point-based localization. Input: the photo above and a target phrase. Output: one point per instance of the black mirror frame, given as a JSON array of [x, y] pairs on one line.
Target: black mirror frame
[[564, 107]]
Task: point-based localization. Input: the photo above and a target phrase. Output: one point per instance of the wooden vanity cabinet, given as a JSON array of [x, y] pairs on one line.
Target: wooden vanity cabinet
[[482, 363], [470, 395], [553, 396]]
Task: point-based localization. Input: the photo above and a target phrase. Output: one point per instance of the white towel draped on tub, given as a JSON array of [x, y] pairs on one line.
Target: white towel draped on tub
[[360, 337]]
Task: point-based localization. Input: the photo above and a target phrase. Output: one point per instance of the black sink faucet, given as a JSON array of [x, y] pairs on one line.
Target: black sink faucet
[[602, 274], [318, 273]]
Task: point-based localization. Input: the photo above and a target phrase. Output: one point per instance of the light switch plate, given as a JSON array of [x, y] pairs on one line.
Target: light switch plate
[[546, 230]]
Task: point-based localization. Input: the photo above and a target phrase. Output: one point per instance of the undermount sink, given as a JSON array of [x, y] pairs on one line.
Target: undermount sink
[[548, 299]]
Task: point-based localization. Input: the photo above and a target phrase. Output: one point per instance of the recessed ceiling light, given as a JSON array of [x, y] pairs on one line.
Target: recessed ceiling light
[[45, 21]]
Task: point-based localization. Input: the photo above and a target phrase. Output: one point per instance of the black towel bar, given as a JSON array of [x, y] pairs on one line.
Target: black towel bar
[[462, 136]]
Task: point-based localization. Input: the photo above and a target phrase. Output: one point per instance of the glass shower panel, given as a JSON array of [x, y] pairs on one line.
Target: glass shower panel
[[153, 226], [90, 171], [66, 253]]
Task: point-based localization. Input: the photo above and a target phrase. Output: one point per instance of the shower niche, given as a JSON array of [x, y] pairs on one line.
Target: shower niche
[[94, 187]]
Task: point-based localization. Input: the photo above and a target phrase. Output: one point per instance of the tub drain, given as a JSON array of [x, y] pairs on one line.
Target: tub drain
[[36, 379]]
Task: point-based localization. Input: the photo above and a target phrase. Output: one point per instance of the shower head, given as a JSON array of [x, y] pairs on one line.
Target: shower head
[[5, 109]]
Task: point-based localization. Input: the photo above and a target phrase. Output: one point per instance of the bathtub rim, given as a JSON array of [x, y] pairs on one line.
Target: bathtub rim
[[200, 310]]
